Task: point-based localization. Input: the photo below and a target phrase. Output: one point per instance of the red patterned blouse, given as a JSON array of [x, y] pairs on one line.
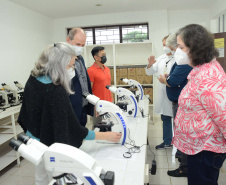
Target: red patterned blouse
[[200, 123]]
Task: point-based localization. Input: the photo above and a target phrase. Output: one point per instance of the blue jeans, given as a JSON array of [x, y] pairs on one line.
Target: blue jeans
[[167, 129], [204, 167]]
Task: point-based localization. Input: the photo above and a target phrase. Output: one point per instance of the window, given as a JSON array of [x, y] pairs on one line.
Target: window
[[116, 34]]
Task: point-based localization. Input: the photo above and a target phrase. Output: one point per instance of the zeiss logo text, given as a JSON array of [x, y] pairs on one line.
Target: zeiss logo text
[[52, 159]]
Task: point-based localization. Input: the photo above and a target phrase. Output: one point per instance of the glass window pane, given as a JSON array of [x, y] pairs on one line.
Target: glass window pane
[[89, 36], [107, 35], [111, 34], [134, 33]]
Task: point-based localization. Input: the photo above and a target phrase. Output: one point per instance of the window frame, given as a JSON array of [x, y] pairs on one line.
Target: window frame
[[117, 25]]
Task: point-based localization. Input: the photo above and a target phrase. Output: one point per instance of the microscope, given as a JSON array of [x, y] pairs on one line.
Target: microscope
[[12, 95], [67, 164], [140, 92], [20, 90], [109, 110], [4, 103], [126, 100]]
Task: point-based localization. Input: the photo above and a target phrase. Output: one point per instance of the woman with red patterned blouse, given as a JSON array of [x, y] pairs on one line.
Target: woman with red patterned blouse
[[200, 124]]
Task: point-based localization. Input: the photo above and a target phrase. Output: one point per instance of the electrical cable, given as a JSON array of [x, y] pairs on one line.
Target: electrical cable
[[137, 149]]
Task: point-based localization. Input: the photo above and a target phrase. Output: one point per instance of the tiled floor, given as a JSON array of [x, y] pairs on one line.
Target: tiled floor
[[24, 175]]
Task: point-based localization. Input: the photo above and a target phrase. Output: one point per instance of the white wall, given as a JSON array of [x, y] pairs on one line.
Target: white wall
[[216, 11], [23, 36], [161, 22], [157, 21], [180, 18]]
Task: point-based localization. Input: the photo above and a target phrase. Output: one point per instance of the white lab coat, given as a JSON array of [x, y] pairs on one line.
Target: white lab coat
[[162, 103]]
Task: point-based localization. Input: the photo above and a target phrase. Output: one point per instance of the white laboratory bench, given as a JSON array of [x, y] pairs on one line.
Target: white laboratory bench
[[128, 171]]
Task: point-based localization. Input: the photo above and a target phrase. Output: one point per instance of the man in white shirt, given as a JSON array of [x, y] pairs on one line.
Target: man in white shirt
[[162, 66]]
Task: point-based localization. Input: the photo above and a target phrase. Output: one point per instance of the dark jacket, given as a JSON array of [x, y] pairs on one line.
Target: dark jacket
[[177, 80], [76, 99], [47, 113]]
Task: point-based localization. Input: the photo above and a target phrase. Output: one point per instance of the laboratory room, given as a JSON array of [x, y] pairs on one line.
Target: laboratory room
[[120, 92]]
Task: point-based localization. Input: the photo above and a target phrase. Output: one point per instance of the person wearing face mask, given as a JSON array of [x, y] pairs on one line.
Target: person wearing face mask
[[163, 106], [80, 82], [175, 82], [46, 113], [100, 77], [200, 124]]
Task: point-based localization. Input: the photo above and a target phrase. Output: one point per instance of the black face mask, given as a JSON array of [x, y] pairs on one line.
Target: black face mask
[[103, 59]]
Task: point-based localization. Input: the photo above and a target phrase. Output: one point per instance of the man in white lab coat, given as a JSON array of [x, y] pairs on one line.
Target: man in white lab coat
[[162, 66]]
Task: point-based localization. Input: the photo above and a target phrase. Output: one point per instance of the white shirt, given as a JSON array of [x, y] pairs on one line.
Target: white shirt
[[162, 103]]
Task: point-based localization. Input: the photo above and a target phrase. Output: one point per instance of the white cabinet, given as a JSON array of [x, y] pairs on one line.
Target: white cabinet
[[8, 129], [124, 55]]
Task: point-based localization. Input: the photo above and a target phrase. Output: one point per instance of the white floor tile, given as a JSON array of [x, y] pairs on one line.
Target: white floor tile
[[3, 178], [161, 161], [161, 177], [18, 180], [155, 133], [178, 180]]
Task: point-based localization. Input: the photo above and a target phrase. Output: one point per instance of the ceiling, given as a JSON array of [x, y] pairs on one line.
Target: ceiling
[[68, 8]]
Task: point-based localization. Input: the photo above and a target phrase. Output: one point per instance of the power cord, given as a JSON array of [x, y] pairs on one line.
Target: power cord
[[137, 149]]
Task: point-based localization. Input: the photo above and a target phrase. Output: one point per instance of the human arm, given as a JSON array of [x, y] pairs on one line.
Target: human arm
[[179, 75], [162, 79], [65, 125], [109, 136], [152, 66]]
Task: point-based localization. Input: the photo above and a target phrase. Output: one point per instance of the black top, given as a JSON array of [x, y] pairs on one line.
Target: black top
[[47, 113], [76, 99], [177, 80]]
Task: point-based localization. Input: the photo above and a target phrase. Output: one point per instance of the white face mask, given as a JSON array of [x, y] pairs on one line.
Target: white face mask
[[78, 50], [71, 73], [181, 57], [166, 50]]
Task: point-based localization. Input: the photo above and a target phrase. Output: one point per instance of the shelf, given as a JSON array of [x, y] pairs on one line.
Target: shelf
[[7, 156], [131, 66], [134, 43], [10, 111], [7, 134], [130, 85]]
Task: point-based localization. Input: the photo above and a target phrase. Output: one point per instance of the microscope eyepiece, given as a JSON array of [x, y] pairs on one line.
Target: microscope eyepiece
[[23, 138], [15, 144]]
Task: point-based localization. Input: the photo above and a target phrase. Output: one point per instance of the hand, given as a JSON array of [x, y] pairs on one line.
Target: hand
[[151, 61], [162, 79], [112, 136], [96, 114]]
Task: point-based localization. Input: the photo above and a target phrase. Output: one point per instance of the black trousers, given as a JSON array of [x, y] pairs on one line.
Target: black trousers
[[204, 167]]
